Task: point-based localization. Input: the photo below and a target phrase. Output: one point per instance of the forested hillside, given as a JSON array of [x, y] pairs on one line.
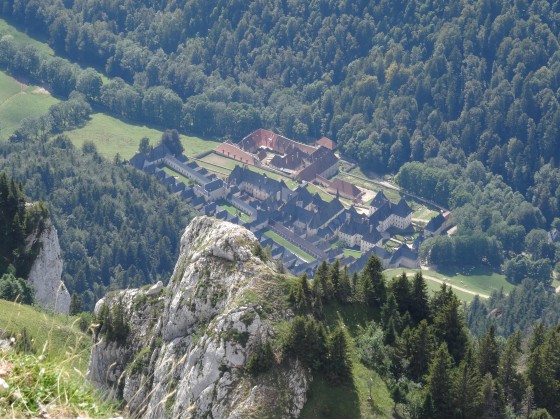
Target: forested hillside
[[390, 81], [118, 227]]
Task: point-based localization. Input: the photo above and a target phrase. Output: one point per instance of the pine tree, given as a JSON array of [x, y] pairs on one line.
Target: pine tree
[[339, 367], [508, 376], [421, 351], [440, 382], [75, 304], [373, 283], [466, 387], [400, 288], [345, 291], [419, 301], [334, 280], [320, 280], [450, 327], [488, 354], [491, 397]]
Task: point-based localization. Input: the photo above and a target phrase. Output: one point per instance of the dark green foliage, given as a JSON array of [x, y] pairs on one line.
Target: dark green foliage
[[113, 324], [372, 283], [170, 139], [75, 305], [16, 223], [117, 227], [419, 302], [439, 383], [488, 354], [449, 326], [15, 289], [525, 307], [261, 360], [302, 296], [306, 339], [339, 366]]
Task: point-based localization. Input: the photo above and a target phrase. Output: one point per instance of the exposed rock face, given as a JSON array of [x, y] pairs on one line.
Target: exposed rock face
[[46, 271], [187, 346]]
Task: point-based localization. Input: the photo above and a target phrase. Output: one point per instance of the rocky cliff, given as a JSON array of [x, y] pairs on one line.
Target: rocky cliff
[[182, 351], [46, 271]]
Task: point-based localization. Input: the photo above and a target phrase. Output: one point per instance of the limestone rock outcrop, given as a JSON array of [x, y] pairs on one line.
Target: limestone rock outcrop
[[187, 345], [46, 272]]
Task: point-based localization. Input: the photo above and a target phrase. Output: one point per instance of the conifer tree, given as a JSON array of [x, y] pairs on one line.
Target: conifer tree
[[421, 351], [400, 288], [320, 280], [373, 284], [340, 365], [508, 376], [440, 382], [334, 280], [488, 353], [450, 327], [419, 301], [466, 386]]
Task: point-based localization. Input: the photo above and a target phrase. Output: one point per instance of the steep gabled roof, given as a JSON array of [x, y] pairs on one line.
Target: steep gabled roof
[[344, 188], [138, 160], [379, 200], [327, 143], [403, 252], [320, 165], [402, 209], [435, 223], [214, 185], [325, 213]]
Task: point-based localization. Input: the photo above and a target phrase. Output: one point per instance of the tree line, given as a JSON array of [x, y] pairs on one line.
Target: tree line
[[117, 227], [497, 227], [391, 82], [420, 345]]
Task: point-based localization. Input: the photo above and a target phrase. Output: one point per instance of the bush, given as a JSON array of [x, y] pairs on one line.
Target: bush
[[261, 360], [15, 289]]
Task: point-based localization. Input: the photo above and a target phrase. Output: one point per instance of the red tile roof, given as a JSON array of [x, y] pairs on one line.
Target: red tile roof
[[344, 188], [233, 152], [326, 142]]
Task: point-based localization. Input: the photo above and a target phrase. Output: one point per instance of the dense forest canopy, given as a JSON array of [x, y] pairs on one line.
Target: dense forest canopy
[[390, 81], [460, 98], [118, 227]]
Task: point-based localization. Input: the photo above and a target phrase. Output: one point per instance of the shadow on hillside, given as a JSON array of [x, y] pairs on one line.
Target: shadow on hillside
[[325, 400]]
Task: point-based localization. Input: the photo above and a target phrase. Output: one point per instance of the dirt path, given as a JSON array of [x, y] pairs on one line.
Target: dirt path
[[440, 281], [455, 287]]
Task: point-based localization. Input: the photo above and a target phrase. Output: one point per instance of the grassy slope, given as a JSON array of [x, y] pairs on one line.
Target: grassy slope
[[350, 400], [112, 136], [19, 101], [22, 38], [62, 340], [56, 384]]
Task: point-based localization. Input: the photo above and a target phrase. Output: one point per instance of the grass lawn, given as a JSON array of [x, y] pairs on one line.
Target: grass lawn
[[112, 136], [62, 340], [313, 190], [479, 280], [223, 162], [424, 214], [17, 103], [354, 253], [22, 38], [232, 210], [432, 286], [177, 175], [294, 249]]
